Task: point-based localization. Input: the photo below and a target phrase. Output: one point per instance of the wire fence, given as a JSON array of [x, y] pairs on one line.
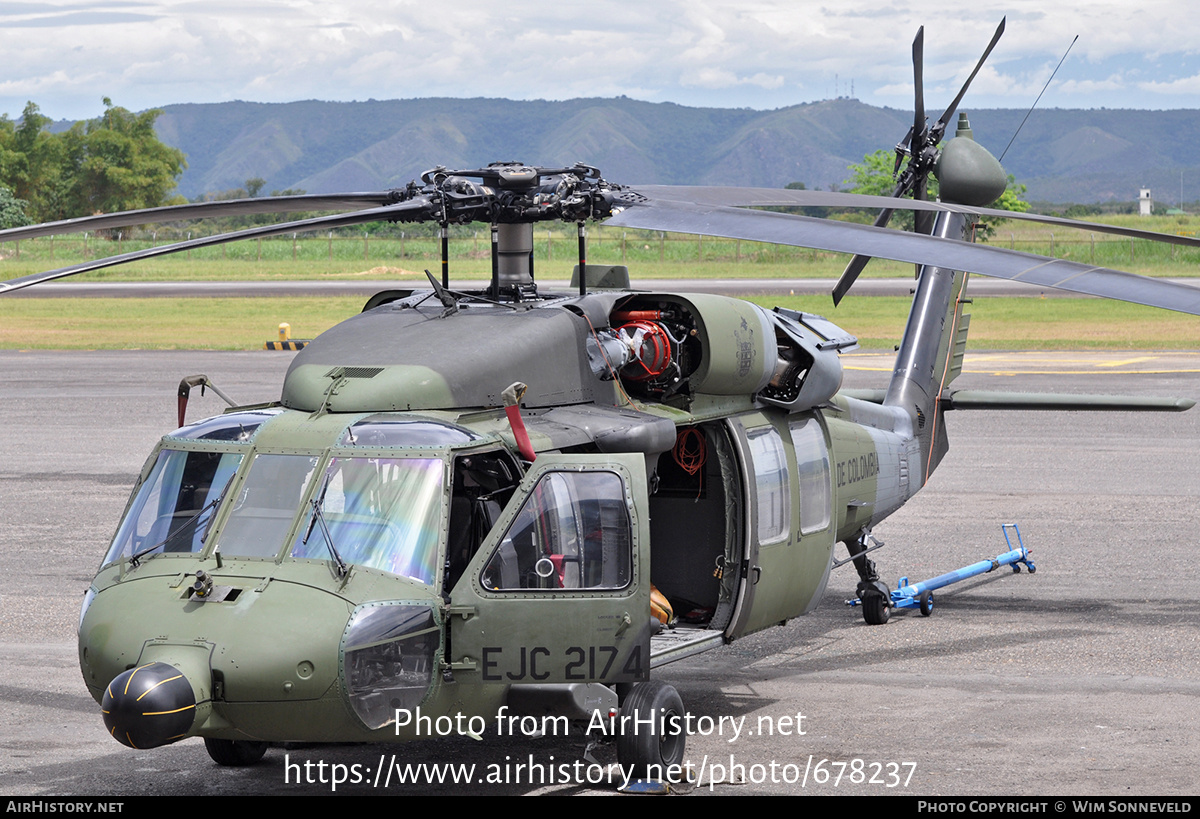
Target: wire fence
[[605, 246]]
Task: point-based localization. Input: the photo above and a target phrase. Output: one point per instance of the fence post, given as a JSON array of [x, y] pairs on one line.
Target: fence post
[[1051, 243], [293, 247], [259, 249], [662, 245], [365, 249], [331, 245]]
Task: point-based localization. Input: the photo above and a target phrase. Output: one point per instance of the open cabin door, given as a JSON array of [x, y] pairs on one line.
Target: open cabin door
[[792, 532], [559, 590]]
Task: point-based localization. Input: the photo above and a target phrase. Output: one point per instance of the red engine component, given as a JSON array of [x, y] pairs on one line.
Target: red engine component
[[651, 346]]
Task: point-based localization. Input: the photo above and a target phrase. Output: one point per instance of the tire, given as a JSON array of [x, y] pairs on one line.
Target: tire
[[925, 601], [875, 608], [234, 753], [643, 745]]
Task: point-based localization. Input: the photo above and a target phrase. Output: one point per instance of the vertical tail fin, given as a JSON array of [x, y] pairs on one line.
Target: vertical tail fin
[[931, 351]]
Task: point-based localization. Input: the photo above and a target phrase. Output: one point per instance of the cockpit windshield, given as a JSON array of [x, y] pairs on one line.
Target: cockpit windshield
[[174, 505], [266, 505], [384, 513], [376, 509]]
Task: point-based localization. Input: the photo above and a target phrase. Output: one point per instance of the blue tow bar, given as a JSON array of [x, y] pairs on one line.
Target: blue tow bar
[[920, 595]]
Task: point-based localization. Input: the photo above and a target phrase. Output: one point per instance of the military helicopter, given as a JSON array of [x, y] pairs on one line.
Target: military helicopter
[[469, 502]]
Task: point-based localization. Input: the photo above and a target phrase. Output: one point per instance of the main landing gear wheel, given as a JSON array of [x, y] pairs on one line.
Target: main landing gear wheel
[[925, 602], [234, 753], [652, 737]]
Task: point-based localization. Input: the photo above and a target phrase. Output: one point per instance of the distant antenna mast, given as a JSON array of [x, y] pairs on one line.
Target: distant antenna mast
[[1039, 97]]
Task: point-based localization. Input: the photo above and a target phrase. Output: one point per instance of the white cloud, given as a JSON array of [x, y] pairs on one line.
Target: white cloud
[[66, 54]]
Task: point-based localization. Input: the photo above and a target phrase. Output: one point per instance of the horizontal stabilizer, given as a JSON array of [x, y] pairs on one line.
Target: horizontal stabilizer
[[994, 400], [989, 399]]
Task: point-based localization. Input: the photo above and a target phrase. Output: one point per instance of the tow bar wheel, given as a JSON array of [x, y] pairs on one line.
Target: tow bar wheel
[[653, 737]]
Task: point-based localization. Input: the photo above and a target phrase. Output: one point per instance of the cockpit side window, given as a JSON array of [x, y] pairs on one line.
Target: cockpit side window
[[483, 484], [574, 531]]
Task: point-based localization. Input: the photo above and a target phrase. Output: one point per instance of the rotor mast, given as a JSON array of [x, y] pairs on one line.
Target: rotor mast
[[511, 197]]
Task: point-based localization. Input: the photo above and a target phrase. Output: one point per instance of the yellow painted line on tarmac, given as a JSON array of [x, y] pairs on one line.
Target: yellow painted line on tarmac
[[1126, 362]]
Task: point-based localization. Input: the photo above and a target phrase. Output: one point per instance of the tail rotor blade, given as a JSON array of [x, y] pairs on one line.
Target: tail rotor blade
[[940, 127], [858, 261], [918, 54]]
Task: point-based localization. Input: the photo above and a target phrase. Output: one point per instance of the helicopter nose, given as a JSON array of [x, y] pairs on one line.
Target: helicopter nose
[[149, 706]]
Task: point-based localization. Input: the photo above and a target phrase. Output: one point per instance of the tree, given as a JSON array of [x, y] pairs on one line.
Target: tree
[[874, 177], [31, 164], [12, 210], [118, 163], [115, 162], [1009, 200]]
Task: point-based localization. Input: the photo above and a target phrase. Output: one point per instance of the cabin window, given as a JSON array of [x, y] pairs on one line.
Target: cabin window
[[174, 505], [573, 532], [383, 513], [812, 475], [771, 481]]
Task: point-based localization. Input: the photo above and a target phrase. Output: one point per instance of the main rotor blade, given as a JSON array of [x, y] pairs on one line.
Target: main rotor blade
[[940, 127], [302, 225], [783, 197], [846, 237], [198, 210]]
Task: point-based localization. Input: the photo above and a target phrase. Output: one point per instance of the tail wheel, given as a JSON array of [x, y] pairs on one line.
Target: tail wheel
[[234, 753], [652, 730], [875, 607]]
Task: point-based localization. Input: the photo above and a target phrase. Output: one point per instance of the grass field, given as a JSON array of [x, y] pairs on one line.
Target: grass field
[[649, 254], [244, 324], [224, 323]]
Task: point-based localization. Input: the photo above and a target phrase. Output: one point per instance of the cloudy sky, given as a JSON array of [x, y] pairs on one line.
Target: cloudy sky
[[66, 55]]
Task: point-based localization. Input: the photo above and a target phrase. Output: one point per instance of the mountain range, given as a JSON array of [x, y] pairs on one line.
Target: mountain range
[[1061, 155]]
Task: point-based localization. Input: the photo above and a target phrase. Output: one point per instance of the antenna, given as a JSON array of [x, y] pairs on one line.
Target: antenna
[[1039, 97]]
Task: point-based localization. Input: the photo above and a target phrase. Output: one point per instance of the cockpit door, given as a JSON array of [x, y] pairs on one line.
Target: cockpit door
[[559, 591]]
